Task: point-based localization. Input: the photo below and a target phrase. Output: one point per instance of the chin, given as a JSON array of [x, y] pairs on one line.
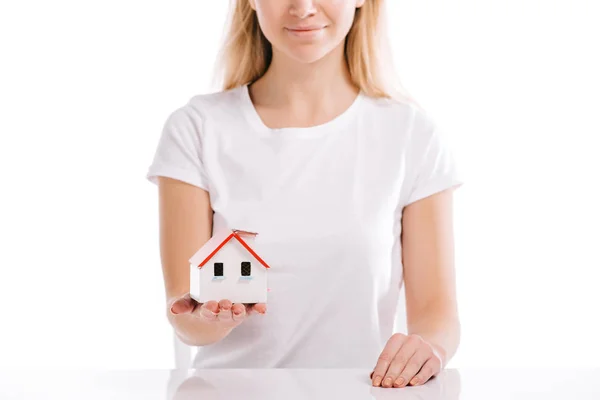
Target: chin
[[306, 56]]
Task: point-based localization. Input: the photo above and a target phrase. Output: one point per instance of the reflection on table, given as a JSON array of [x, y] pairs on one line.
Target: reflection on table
[[291, 384]]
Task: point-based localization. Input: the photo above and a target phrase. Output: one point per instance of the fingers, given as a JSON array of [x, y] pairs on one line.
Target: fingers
[[387, 355], [404, 358], [225, 313], [414, 363], [246, 309], [411, 368], [208, 311], [212, 306], [239, 312], [213, 311], [260, 308], [183, 305], [430, 368], [255, 308]]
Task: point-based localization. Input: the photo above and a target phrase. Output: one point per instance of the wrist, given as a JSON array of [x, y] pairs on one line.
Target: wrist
[[193, 331], [440, 352], [434, 341]]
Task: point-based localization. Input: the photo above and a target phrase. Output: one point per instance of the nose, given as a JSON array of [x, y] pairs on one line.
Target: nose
[[303, 8]]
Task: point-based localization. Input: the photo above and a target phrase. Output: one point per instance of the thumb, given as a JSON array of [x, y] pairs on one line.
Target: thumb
[[183, 305]]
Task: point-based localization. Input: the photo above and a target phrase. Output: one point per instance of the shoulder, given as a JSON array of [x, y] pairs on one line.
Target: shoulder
[[403, 117], [214, 104]]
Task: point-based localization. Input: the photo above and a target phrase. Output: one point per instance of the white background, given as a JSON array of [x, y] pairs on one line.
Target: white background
[[86, 86]]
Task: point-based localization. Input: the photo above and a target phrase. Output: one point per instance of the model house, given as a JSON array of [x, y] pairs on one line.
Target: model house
[[227, 267]]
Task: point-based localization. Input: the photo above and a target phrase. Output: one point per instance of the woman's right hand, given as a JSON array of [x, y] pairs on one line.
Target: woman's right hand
[[222, 312]]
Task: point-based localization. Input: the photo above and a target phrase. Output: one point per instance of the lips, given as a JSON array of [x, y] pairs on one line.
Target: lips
[[305, 28]]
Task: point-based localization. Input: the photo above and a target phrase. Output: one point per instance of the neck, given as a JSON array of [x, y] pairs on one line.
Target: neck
[[288, 83]]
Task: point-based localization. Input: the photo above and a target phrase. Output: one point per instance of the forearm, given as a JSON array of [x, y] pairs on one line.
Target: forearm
[[440, 327]]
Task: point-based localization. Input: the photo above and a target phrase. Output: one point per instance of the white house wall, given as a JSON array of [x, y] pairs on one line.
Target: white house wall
[[232, 287]]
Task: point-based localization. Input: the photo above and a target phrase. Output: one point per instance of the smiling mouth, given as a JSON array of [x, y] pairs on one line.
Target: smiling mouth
[[307, 29]]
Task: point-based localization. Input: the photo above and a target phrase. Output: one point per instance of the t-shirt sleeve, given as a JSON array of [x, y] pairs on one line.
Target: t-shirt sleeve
[[433, 162], [179, 151]]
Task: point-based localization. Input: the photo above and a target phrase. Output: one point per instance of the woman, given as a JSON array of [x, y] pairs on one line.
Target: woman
[[349, 189]]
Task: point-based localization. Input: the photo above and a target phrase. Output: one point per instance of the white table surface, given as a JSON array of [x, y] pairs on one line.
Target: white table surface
[[291, 384]]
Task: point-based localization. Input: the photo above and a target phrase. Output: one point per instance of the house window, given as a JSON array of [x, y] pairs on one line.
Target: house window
[[218, 269], [245, 268]]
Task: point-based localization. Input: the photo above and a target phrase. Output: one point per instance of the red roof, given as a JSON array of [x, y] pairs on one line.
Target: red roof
[[201, 260]]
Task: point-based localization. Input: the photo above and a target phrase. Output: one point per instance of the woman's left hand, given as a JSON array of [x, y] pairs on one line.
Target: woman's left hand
[[406, 360]]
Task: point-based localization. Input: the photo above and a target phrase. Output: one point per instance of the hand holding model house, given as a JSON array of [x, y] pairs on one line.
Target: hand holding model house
[[228, 279]]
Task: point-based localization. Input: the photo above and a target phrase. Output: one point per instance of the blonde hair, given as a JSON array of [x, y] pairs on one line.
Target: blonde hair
[[246, 53]]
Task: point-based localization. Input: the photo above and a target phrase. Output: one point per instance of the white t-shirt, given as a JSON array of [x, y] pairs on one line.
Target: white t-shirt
[[326, 202]]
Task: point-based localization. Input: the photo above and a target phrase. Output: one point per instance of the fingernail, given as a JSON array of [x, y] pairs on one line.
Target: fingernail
[[377, 381], [173, 311], [414, 381], [387, 381], [399, 382], [210, 315]]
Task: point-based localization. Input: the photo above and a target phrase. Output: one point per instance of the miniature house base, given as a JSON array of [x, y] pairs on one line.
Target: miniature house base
[[227, 268]]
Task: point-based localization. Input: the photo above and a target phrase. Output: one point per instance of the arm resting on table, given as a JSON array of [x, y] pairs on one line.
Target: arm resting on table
[[429, 274]]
